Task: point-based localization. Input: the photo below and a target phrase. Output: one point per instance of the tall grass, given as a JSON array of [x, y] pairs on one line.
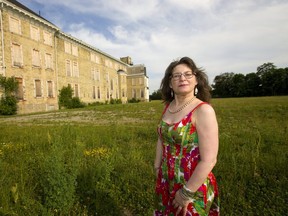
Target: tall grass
[[99, 160]]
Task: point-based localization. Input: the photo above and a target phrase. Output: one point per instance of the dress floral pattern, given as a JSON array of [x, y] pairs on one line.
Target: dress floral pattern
[[180, 157]]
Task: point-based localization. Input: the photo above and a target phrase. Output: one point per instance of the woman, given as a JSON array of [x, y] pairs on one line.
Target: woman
[[187, 146]]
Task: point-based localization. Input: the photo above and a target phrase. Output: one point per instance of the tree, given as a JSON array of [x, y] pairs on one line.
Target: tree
[[238, 85], [222, 85], [67, 100], [253, 86], [156, 95], [8, 101], [267, 81], [65, 97], [264, 68]]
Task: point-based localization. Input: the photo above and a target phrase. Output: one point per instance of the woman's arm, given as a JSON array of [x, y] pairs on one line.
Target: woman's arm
[[207, 129], [158, 157]]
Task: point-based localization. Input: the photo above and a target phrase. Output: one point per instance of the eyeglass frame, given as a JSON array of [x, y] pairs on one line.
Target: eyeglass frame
[[182, 74]]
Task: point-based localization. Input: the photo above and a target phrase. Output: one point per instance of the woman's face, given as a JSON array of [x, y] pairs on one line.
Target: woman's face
[[183, 80]]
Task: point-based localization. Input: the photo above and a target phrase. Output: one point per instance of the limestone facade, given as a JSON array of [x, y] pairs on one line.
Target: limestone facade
[[44, 59]]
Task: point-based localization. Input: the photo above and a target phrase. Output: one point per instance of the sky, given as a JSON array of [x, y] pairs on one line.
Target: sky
[[219, 35]]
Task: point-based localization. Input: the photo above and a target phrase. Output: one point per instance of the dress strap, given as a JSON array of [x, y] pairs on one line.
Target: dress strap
[[199, 106], [166, 107]]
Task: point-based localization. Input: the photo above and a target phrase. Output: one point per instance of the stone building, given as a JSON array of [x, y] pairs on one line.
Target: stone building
[[44, 59]]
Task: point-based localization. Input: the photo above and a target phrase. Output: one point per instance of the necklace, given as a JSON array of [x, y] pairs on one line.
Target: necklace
[[182, 107]]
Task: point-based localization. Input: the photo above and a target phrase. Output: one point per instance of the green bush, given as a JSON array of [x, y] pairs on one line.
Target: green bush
[[133, 100], [76, 103], [67, 100], [115, 101], [65, 97], [8, 101], [8, 105]]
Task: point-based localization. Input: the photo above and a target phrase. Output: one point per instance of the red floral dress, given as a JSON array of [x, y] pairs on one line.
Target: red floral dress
[[180, 156]]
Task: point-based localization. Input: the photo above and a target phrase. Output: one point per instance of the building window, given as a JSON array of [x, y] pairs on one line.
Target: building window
[[35, 33], [50, 89], [107, 93], [142, 93], [123, 93], [48, 61], [140, 80], [75, 69], [106, 62], [35, 58], [17, 59], [47, 38], [20, 89], [94, 92], [67, 47], [134, 93], [92, 57], [98, 92], [93, 73], [97, 75], [68, 68], [97, 59], [74, 50], [111, 85], [15, 25], [38, 90], [76, 90]]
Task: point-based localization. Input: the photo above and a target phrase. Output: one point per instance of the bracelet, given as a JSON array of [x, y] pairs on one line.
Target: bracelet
[[183, 196], [187, 189], [187, 192]]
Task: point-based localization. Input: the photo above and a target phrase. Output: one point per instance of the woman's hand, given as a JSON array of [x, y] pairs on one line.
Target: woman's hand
[[180, 204]]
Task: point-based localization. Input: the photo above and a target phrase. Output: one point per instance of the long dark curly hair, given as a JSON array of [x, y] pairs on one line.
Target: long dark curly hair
[[202, 79]]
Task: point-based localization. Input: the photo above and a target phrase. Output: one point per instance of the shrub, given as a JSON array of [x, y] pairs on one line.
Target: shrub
[[67, 100], [115, 101], [133, 100], [65, 96], [76, 103], [8, 102], [8, 105]]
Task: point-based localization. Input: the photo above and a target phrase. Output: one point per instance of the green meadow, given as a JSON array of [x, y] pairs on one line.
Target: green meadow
[[99, 160]]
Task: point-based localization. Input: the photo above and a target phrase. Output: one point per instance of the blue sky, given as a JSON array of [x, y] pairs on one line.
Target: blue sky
[[219, 35]]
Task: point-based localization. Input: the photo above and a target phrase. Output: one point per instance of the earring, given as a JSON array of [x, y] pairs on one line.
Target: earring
[[172, 93], [195, 90]]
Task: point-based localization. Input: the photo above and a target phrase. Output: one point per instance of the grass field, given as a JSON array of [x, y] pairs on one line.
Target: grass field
[[99, 160]]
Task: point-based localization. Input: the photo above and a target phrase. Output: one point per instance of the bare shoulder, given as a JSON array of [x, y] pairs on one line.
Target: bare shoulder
[[205, 117], [205, 109]]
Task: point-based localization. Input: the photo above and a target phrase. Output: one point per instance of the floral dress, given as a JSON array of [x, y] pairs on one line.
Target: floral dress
[[180, 156]]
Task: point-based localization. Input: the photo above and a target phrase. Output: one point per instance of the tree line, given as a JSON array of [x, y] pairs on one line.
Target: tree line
[[268, 80]]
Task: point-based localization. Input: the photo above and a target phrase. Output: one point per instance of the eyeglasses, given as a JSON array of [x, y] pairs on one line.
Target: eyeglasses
[[177, 76]]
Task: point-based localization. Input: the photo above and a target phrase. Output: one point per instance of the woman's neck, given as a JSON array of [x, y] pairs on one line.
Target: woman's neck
[[180, 100]]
